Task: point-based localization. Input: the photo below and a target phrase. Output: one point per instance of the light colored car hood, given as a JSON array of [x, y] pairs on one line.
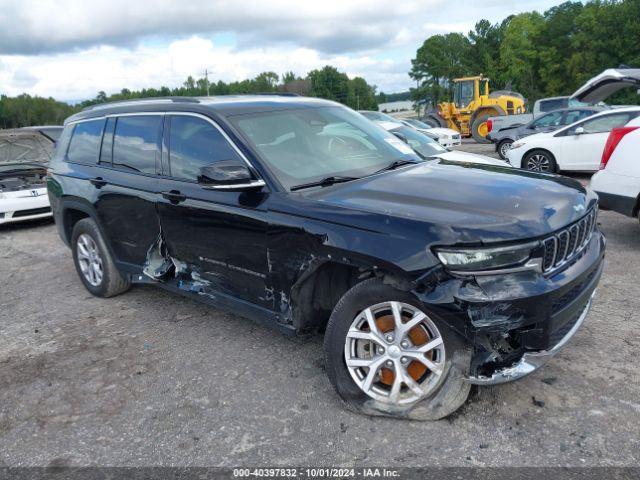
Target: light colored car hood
[[466, 157], [440, 132]]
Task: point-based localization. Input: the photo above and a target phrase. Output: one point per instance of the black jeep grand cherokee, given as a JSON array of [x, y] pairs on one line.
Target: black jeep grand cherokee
[[428, 276]]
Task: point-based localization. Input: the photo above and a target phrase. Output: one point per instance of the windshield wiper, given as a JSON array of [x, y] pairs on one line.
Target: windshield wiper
[[325, 182], [395, 164]]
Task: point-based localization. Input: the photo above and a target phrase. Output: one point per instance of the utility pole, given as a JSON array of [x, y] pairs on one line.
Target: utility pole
[[206, 79]]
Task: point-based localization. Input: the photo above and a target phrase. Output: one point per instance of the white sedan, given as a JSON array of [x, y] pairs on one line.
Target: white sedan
[[24, 153], [576, 147], [428, 148], [446, 137]]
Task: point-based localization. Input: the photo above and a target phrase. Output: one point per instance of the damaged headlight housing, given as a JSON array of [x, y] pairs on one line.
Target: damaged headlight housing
[[485, 258]]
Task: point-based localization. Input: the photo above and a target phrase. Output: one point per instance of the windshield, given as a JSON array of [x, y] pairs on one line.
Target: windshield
[[418, 124], [307, 145], [378, 116], [425, 146], [463, 93]]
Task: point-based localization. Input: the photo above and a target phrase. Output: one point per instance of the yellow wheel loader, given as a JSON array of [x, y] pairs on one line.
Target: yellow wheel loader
[[471, 107]]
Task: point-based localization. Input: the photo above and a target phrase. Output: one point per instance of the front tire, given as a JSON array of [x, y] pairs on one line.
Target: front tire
[[540, 161], [503, 147], [93, 261], [409, 365]]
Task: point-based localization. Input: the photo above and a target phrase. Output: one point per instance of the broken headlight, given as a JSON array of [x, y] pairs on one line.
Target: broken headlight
[[483, 258]]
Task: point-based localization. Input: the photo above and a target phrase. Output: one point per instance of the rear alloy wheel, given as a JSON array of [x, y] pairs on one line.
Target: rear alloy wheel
[[89, 259], [539, 161], [503, 148], [93, 261], [394, 353], [385, 355]]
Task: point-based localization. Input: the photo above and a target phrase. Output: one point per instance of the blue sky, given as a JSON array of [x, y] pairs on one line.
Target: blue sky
[[71, 49]]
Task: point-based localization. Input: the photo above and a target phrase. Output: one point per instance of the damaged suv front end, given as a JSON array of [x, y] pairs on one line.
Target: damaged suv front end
[[521, 303]]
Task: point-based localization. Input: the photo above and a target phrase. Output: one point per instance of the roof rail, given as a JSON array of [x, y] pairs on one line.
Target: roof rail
[[280, 94], [138, 101]]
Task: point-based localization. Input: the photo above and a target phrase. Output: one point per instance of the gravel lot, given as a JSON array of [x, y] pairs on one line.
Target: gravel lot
[[150, 378]]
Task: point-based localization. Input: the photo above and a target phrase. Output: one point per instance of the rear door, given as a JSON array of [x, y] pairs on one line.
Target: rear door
[[127, 183], [219, 236], [583, 151]]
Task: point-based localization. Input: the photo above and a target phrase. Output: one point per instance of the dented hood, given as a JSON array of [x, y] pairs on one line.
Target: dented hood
[[607, 83], [466, 202]]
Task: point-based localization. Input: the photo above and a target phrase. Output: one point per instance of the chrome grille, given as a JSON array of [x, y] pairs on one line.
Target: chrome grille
[[565, 245]]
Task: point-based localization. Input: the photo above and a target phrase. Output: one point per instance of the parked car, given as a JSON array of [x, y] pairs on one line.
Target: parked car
[[503, 139], [444, 136], [540, 107], [617, 183], [428, 148], [618, 180], [427, 276], [24, 154], [576, 147], [378, 116]]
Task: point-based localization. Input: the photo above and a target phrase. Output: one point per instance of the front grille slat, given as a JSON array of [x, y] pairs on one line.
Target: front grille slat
[[565, 245]]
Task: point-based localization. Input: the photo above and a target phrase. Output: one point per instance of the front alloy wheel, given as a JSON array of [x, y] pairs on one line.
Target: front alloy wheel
[[539, 162], [386, 355], [394, 353], [504, 148]]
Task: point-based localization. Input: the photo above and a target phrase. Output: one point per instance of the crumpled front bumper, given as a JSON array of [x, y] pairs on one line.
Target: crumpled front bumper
[[532, 361]]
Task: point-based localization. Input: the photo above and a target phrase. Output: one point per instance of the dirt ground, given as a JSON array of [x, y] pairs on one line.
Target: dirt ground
[[151, 378]]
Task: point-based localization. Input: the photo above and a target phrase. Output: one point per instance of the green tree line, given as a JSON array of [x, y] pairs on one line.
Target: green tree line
[[327, 82], [538, 55]]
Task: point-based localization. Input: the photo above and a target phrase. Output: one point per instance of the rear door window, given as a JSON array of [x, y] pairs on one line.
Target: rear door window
[[136, 143], [85, 142]]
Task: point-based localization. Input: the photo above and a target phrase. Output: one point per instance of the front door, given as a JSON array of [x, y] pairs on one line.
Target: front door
[[217, 238]]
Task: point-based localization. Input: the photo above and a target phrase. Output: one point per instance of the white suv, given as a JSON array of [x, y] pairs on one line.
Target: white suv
[[618, 181]]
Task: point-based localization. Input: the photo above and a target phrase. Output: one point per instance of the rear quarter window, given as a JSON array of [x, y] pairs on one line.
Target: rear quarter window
[[85, 142]]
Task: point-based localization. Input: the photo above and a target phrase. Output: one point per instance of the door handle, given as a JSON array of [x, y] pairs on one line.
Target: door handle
[[98, 182], [174, 196]]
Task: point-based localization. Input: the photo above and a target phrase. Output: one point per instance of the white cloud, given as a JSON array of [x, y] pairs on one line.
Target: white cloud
[[81, 74], [71, 49], [329, 26]]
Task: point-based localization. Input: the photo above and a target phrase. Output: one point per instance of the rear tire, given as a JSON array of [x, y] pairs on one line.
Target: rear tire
[[541, 161], [503, 147], [434, 121], [442, 387], [93, 261], [479, 128]]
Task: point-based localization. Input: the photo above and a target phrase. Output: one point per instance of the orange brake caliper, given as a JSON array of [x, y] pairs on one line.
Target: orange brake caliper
[[418, 337]]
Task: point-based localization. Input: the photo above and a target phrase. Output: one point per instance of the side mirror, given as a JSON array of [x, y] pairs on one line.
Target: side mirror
[[578, 131], [232, 175]]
